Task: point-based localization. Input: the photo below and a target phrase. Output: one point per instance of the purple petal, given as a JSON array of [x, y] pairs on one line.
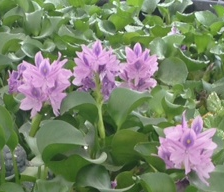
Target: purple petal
[[184, 122], [188, 138], [45, 68], [197, 125], [38, 59], [138, 49], [97, 48]]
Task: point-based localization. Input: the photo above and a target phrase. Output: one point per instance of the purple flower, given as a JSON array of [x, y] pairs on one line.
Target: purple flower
[[174, 30], [16, 79], [113, 184], [96, 62], [137, 72], [189, 148], [34, 98], [42, 83]]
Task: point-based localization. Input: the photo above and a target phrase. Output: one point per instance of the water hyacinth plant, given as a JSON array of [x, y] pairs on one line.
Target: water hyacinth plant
[[111, 96]]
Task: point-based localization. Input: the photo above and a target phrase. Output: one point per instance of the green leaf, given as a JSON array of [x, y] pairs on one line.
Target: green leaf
[[213, 103], [77, 3], [30, 49], [13, 141], [172, 41], [170, 108], [172, 71], [4, 61], [57, 184], [6, 123], [33, 22], [54, 132], [154, 182], [7, 37], [219, 9], [158, 47], [83, 102], [149, 151], [13, 15], [149, 6], [107, 27], [206, 18], [137, 3], [192, 64], [202, 42], [121, 19], [9, 187], [125, 179], [96, 176], [122, 101], [26, 5], [123, 144], [58, 141], [2, 138]]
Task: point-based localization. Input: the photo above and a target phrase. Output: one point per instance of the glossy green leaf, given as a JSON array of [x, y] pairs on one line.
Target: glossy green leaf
[[122, 101], [57, 184], [149, 6], [172, 71], [96, 176], [170, 108], [33, 22], [219, 9], [13, 15], [81, 101], [214, 103], [192, 64], [6, 123], [123, 144], [153, 182], [107, 27], [13, 141], [57, 141], [206, 18], [58, 132], [77, 3], [10, 186], [149, 151], [6, 37], [203, 42], [158, 47], [30, 49], [121, 19], [26, 5], [2, 138], [125, 179], [4, 61]]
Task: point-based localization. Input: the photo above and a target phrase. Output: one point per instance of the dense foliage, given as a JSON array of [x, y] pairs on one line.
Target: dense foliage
[[110, 133]]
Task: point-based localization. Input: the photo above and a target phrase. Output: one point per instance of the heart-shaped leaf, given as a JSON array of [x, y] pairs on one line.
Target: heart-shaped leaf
[[122, 101]]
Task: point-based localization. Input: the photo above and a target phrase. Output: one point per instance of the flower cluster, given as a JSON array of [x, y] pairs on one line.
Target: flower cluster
[[96, 65], [189, 148], [137, 72], [40, 83]]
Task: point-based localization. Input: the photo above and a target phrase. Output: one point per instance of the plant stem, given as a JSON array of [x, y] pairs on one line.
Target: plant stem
[[2, 166], [35, 125], [99, 101], [16, 171]]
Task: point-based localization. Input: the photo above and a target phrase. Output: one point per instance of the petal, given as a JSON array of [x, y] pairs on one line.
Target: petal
[[138, 49], [38, 58], [197, 125]]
